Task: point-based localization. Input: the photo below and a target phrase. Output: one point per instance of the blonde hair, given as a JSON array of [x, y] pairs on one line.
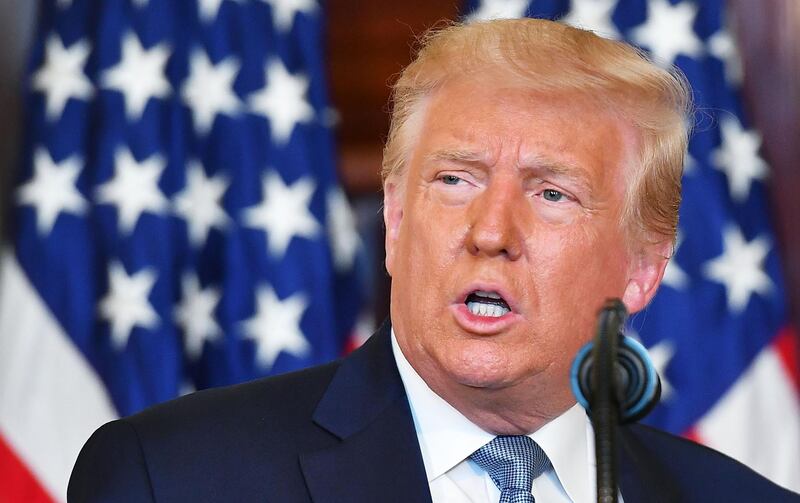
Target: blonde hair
[[551, 57]]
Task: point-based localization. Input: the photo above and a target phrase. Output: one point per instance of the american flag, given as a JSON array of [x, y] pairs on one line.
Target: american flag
[[718, 330], [178, 222]]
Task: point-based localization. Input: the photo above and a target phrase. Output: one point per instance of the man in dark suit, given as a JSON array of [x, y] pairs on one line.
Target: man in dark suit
[[532, 171]]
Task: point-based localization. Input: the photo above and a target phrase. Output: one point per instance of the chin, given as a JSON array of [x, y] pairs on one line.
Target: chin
[[479, 366]]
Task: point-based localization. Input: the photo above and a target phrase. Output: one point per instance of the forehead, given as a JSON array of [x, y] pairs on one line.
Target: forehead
[[486, 121]]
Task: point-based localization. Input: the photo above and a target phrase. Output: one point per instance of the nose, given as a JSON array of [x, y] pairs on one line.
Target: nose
[[495, 221]]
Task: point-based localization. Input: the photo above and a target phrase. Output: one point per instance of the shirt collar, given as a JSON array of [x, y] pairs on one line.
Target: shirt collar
[[565, 441], [447, 438]]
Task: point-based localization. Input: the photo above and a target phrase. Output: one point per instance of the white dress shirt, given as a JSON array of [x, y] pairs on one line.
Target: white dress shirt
[[447, 438]]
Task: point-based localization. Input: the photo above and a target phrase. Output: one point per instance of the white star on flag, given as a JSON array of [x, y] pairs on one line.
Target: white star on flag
[[593, 15], [674, 276], [186, 387], [139, 75], [195, 314], [737, 156], [275, 327], [283, 212], [61, 77], [722, 46], [740, 268], [125, 305], [200, 203], [284, 11], [342, 232], [52, 189], [209, 89], [661, 354], [499, 9], [689, 164], [668, 31], [134, 188], [282, 101], [208, 9]]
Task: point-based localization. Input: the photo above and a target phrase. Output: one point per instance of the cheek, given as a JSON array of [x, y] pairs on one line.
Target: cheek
[[574, 267], [558, 254], [424, 257], [433, 236]]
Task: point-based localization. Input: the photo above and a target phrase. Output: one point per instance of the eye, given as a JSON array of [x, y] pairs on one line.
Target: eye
[[450, 179], [553, 195]]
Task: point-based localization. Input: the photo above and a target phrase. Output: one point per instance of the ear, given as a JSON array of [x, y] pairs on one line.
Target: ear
[[392, 216], [645, 275]]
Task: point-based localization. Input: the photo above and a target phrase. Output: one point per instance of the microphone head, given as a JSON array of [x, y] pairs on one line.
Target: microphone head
[[637, 384]]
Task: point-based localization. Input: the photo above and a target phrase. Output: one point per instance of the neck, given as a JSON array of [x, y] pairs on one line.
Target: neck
[[516, 407], [519, 409]]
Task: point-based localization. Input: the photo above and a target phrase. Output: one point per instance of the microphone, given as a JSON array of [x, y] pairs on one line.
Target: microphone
[[636, 385]]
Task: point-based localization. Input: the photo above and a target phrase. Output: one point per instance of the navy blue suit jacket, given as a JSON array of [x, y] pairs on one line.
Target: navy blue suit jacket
[[342, 432]]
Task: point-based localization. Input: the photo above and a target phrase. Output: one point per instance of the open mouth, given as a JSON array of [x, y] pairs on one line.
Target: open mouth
[[490, 304]]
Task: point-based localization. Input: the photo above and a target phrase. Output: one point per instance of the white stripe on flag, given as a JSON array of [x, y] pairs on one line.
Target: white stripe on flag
[[758, 421], [50, 398]]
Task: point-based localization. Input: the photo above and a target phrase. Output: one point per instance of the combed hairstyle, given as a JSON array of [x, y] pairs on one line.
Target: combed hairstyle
[[546, 56]]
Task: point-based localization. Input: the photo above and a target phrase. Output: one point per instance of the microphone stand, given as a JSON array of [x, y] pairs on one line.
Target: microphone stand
[[605, 404]]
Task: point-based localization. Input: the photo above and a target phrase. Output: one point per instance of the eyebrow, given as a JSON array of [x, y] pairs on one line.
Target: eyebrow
[[457, 156], [545, 166]]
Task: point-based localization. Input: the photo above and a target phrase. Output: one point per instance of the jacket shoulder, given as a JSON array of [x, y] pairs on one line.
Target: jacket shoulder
[[111, 467], [276, 402], [238, 442], [699, 473]]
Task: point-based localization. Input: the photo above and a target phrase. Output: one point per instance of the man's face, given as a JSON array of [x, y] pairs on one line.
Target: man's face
[[503, 237]]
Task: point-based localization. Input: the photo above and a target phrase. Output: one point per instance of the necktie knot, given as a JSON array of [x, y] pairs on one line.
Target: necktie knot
[[513, 462]]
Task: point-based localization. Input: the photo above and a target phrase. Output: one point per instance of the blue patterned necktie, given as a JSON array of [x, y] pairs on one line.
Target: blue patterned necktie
[[512, 462]]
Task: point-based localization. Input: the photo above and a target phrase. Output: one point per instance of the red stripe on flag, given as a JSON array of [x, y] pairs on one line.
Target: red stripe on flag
[[787, 345], [351, 344], [17, 483], [693, 435]]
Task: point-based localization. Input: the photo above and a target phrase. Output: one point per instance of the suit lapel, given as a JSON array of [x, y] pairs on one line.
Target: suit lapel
[[378, 457]]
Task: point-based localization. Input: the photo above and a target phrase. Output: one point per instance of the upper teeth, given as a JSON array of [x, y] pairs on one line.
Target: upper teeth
[[491, 295], [481, 309]]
